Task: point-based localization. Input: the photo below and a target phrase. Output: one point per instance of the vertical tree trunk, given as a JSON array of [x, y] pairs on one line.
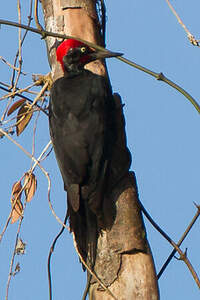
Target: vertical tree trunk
[[124, 262]]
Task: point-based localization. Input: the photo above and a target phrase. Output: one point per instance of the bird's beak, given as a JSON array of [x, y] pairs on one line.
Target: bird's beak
[[103, 54]]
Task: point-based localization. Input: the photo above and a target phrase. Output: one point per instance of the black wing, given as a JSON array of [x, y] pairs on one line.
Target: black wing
[[79, 116]]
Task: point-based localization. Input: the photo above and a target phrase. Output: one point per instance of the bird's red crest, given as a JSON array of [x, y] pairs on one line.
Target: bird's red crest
[[64, 47]]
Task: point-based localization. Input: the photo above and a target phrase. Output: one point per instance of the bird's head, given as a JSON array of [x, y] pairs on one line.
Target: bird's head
[[74, 55]]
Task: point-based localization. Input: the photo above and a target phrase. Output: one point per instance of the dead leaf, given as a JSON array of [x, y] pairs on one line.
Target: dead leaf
[[20, 247], [17, 211], [16, 187], [31, 186], [23, 118], [17, 269], [15, 106], [17, 206]]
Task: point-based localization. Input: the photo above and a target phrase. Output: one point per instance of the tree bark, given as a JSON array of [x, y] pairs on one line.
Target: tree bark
[[124, 261]]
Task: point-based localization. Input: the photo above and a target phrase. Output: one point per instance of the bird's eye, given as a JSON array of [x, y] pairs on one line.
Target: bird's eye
[[83, 49]]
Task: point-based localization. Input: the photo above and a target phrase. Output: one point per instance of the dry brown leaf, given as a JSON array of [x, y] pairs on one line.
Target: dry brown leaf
[[23, 118], [16, 187], [16, 202], [31, 186], [20, 247], [15, 106], [17, 269], [17, 212]]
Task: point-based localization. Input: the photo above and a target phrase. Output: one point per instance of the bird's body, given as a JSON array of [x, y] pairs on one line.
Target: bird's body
[[83, 129]]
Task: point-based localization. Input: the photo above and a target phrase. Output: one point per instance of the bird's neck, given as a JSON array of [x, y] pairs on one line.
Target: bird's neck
[[72, 70]]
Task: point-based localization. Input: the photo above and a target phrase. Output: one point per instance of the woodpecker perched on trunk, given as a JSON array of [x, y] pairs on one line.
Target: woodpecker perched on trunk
[[83, 132]]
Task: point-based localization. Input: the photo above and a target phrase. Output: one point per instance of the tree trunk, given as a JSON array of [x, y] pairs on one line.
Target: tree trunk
[[123, 260]]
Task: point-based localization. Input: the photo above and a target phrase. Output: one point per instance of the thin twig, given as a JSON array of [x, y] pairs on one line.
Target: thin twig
[[23, 39], [179, 242], [21, 148], [5, 227], [43, 89], [12, 94], [36, 98], [191, 38], [182, 255], [26, 98], [50, 204], [10, 65], [20, 59], [46, 33], [34, 132], [5, 84], [13, 257], [15, 117], [38, 25], [6, 109], [19, 49], [160, 76], [50, 254]]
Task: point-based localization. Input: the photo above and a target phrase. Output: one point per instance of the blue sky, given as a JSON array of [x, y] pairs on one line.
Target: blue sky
[[163, 137]]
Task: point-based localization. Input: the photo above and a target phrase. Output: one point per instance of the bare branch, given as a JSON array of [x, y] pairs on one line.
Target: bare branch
[[24, 97], [10, 65], [38, 25], [25, 34], [13, 257], [50, 254], [179, 242], [20, 47], [158, 76], [182, 255], [12, 94], [191, 38]]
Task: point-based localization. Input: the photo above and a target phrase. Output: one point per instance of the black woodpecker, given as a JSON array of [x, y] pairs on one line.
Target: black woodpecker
[[84, 133]]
